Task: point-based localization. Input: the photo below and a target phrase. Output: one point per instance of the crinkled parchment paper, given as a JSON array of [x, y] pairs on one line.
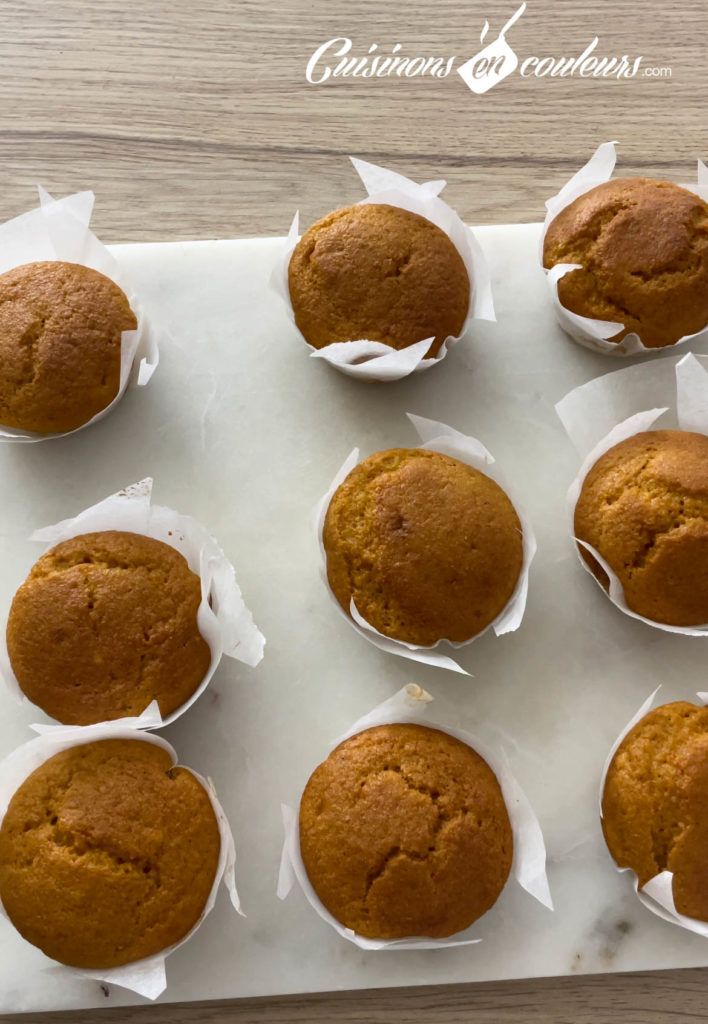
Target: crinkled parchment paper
[[529, 861], [438, 437], [59, 230], [372, 360], [223, 619], [657, 894], [147, 976], [586, 408], [593, 334]]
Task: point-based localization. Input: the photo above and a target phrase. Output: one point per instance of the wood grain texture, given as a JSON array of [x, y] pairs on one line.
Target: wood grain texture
[[659, 998], [194, 120]]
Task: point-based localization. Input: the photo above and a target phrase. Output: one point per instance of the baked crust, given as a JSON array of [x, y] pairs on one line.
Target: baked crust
[[643, 247], [60, 345], [644, 508], [104, 624], [428, 547], [404, 831], [655, 802], [378, 273], [107, 853]]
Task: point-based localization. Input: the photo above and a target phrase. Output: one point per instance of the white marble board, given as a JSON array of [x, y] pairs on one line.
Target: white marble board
[[241, 429]]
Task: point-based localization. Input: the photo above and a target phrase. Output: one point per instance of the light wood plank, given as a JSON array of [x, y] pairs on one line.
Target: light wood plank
[[193, 120], [658, 998]]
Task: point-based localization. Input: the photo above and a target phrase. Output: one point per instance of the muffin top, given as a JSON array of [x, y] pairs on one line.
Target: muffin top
[[644, 508], [104, 624], [378, 273], [428, 547], [60, 344], [404, 831], [643, 246], [655, 802], [107, 853]]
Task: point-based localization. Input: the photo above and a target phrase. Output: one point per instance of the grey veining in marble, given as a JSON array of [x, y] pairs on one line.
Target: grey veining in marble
[[243, 431]]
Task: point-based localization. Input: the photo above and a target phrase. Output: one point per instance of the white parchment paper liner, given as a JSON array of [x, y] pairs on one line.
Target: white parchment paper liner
[[440, 438], [146, 976], [372, 360], [59, 230], [657, 894], [223, 619], [593, 334], [624, 390], [529, 861]]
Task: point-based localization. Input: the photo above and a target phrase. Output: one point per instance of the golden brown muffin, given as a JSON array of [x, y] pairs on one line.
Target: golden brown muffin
[[107, 854], [643, 247], [377, 273], [60, 343], [644, 508], [428, 547], [404, 831], [104, 624], [655, 802]]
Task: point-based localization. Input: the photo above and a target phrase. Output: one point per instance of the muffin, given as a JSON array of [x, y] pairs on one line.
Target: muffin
[[655, 802], [428, 547], [643, 248], [404, 831], [104, 624], [378, 273], [60, 345], [644, 508], [108, 854]]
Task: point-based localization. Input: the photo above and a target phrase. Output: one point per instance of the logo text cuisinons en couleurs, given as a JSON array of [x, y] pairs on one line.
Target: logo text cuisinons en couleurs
[[337, 58]]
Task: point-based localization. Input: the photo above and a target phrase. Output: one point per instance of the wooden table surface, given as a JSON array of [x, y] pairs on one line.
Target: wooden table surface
[[195, 120]]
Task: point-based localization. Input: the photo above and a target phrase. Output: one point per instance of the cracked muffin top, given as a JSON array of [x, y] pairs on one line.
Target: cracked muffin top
[[378, 273], [104, 624], [643, 248], [644, 508], [107, 853], [428, 547], [60, 345], [403, 832], [655, 802]]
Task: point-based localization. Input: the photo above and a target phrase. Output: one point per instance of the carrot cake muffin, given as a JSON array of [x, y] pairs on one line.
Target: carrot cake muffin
[[426, 546], [378, 273], [60, 345], [644, 508], [643, 248], [104, 624], [404, 831], [655, 802], [108, 854]]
